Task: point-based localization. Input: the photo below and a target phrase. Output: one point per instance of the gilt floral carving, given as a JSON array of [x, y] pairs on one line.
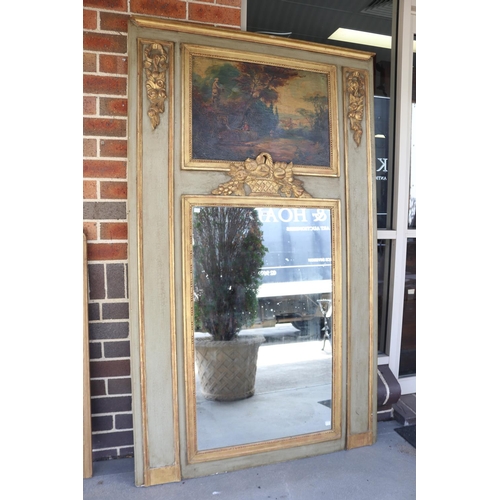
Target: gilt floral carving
[[355, 84], [264, 178], [155, 66]]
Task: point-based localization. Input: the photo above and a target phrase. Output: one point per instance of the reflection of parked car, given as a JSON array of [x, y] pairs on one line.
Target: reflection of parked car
[[302, 311], [297, 268]]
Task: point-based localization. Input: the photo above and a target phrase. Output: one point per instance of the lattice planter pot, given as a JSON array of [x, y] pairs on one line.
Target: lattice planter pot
[[227, 369]]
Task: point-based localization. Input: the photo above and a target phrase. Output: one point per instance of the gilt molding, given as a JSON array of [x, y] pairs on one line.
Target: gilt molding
[[264, 178], [155, 66], [355, 86]]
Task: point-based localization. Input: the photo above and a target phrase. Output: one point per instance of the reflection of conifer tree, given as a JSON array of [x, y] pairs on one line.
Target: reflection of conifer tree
[[228, 253]]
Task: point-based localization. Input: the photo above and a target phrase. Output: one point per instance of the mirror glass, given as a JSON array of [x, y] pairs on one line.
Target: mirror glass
[[260, 281]]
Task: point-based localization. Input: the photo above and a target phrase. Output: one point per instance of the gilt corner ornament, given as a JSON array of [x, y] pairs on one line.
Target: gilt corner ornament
[[264, 178], [155, 65], [356, 89]]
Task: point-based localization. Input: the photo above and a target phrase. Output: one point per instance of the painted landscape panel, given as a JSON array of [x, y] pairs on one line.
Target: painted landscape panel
[[241, 108]]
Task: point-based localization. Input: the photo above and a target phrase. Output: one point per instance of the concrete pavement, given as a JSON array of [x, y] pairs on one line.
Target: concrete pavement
[[384, 471]]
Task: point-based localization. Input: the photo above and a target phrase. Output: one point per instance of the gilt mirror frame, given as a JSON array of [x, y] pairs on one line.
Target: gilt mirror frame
[[333, 206]]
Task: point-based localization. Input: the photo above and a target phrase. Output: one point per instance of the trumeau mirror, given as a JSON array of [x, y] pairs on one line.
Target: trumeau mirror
[[251, 212], [268, 273]]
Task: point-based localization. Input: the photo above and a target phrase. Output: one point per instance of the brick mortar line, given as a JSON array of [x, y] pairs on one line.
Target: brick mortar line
[[106, 117], [100, 302], [101, 51], [107, 200], [213, 3], [114, 396], [119, 54], [110, 200], [105, 137], [113, 341], [126, 429], [111, 359], [104, 179], [106, 32], [117, 75], [103, 73], [92, 242], [111, 300], [123, 12], [91, 200], [114, 448], [108, 321], [113, 96], [117, 158], [105, 301], [108, 261], [99, 9], [121, 358], [100, 180], [125, 75], [109, 137], [91, 158], [105, 158]]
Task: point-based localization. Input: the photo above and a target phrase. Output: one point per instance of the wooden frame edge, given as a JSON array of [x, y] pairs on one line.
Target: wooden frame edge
[[246, 36], [359, 440], [87, 415], [162, 475], [372, 361]]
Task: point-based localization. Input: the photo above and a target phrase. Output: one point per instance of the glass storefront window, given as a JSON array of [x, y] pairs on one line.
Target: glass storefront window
[[383, 134], [383, 259], [407, 363], [412, 208], [390, 110], [382, 131]]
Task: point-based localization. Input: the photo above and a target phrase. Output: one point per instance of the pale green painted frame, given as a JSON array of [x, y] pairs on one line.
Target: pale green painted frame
[[156, 184]]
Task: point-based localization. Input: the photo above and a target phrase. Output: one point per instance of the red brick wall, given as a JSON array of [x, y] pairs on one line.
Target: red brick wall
[[105, 199]]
